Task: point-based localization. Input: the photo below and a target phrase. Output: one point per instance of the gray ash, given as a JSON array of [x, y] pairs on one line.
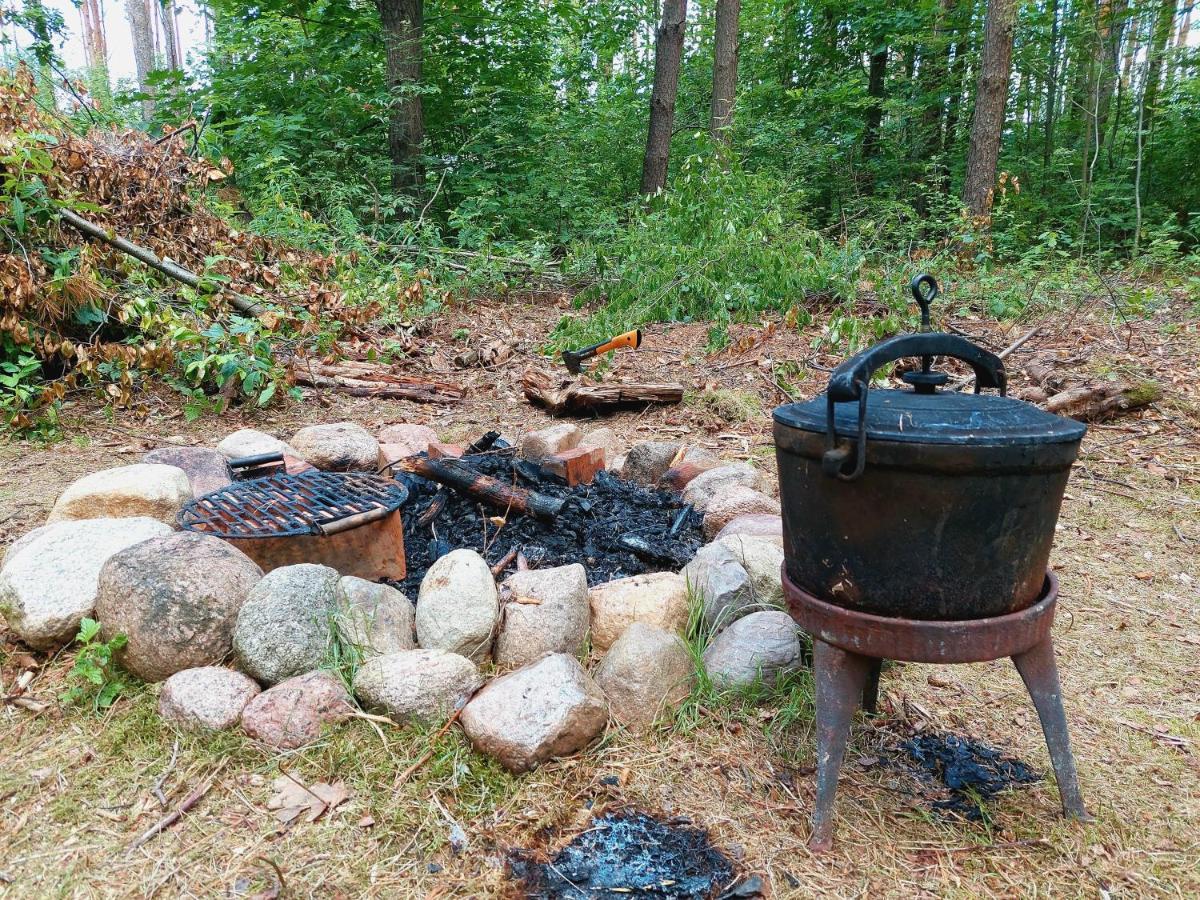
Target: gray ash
[[627, 854], [971, 771], [614, 528]]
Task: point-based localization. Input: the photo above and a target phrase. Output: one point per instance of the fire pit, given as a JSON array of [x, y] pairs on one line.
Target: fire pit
[[348, 521]]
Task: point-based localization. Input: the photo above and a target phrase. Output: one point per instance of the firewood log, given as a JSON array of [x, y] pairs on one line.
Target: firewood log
[[579, 397]]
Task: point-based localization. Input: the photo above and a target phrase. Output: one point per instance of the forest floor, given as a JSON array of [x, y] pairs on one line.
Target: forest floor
[[76, 790]]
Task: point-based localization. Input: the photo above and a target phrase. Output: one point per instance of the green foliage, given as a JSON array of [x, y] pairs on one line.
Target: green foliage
[[97, 679]]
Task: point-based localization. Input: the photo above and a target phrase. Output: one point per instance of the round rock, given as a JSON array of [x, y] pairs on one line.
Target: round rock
[[210, 698], [406, 440], [537, 445], [716, 575], [50, 576], [458, 606], [646, 672], [374, 618], [285, 626], [758, 525], [733, 502], [537, 713], [338, 447], [701, 490], [544, 611], [646, 462], [292, 713], [251, 442], [176, 599], [207, 470], [763, 561], [142, 489], [658, 599], [422, 685], [762, 644], [604, 439]]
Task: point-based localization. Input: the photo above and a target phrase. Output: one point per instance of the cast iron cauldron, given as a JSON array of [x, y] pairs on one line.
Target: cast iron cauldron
[[921, 503]]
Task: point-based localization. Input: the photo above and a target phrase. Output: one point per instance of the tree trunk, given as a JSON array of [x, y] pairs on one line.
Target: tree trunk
[[668, 53], [142, 32], [991, 98], [403, 24], [725, 66], [95, 46], [876, 82], [1051, 87], [174, 56], [935, 63], [1164, 25]]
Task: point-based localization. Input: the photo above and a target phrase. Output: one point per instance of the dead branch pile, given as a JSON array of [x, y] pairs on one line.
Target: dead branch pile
[[131, 190]]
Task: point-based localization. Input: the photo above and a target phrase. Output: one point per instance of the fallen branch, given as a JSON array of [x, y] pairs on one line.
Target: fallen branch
[[154, 261], [1096, 401], [480, 487], [180, 811], [581, 398], [357, 382]]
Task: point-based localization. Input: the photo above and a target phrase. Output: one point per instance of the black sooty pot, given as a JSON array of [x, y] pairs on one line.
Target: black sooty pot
[[921, 503]]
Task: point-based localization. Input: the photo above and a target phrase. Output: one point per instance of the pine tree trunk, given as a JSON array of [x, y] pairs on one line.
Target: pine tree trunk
[[142, 32], [403, 24], [876, 85], [725, 65], [1051, 87], [173, 55], [668, 53], [935, 64], [991, 99]]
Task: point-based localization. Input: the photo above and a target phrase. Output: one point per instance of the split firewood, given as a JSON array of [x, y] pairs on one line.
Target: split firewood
[[577, 397], [487, 356], [1096, 401], [355, 381]]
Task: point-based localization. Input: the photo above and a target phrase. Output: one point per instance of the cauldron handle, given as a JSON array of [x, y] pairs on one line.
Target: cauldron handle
[[851, 380]]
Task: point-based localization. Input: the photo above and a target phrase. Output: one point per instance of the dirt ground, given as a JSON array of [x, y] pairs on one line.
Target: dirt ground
[[76, 790]]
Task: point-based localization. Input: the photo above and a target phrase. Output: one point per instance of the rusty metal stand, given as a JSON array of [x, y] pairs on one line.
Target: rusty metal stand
[[848, 650]]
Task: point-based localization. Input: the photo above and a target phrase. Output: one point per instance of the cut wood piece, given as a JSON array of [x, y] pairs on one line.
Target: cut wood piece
[[483, 488], [578, 398], [357, 382], [1096, 401]]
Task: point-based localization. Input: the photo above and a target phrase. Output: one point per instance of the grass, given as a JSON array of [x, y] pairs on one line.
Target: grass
[[731, 406]]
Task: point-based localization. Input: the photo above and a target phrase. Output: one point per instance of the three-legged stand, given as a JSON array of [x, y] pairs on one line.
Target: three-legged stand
[[846, 678]]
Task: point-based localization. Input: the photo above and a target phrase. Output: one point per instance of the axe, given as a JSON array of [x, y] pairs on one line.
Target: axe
[[574, 358]]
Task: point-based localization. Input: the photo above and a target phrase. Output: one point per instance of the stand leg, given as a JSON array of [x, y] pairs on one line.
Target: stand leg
[[1040, 674], [870, 699], [840, 680]]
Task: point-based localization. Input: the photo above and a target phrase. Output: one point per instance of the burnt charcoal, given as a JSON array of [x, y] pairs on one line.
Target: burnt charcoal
[[971, 771], [614, 527], [627, 853]]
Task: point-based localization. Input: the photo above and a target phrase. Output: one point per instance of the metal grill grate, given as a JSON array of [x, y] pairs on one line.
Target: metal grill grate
[[283, 505]]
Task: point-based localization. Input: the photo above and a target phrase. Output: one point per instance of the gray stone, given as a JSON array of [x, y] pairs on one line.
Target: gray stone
[[719, 579], [292, 713], [542, 711], [646, 672], [646, 462], [176, 599], [759, 525], [142, 489], [207, 470], [421, 685], [762, 559], [50, 576], [406, 439], [658, 598], [544, 611], [762, 644], [733, 502], [701, 490], [537, 445], [285, 626], [210, 698], [375, 618], [251, 442], [338, 447], [458, 606]]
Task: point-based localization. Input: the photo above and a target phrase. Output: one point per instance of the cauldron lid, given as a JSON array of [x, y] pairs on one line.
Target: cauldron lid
[[905, 416]]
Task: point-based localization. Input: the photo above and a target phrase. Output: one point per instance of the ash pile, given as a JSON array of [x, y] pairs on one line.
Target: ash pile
[[615, 528]]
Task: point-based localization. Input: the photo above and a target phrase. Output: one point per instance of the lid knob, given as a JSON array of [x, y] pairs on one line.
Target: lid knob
[[924, 289]]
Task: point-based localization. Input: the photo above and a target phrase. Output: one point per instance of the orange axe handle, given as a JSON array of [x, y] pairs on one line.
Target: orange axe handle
[[573, 358]]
